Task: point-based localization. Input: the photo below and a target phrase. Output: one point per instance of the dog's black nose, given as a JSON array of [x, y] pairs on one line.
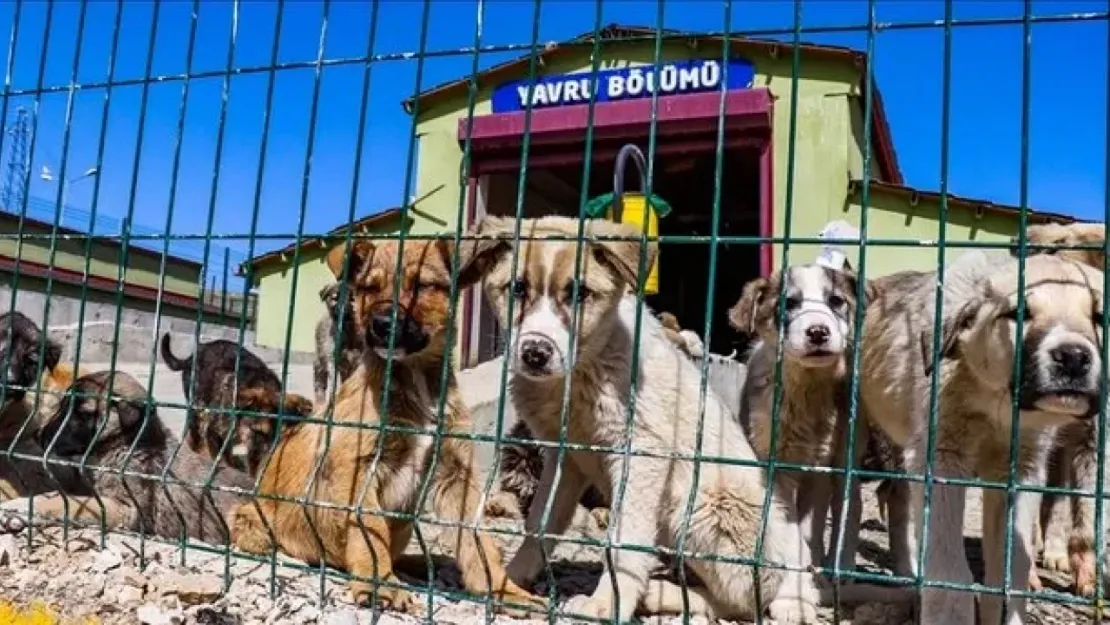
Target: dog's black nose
[[535, 354], [817, 335], [410, 336], [380, 324], [1073, 360]]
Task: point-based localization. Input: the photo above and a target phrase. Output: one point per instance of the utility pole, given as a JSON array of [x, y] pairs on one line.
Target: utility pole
[[19, 165]]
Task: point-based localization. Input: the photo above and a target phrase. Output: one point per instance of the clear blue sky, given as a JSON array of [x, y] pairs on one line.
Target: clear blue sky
[[1067, 156]]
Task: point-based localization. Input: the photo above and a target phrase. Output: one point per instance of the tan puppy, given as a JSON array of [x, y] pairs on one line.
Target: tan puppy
[[727, 514], [1059, 385], [1066, 525], [1084, 234], [360, 539]]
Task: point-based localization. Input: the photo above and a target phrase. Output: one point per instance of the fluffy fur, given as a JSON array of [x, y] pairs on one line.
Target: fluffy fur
[[1066, 525], [519, 472], [728, 504], [817, 343], [131, 436], [350, 344], [33, 388], [214, 393], [522, 464], [1058, 386], [350, 473], [218, 430]]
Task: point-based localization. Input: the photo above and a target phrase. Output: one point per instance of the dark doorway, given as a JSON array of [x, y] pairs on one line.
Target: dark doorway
[[687, 181]]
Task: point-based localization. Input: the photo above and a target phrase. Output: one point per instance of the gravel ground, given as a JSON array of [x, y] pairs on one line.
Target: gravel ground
[[77, 578]]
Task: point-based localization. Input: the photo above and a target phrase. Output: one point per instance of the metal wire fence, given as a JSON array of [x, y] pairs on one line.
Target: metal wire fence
[[339, 490]]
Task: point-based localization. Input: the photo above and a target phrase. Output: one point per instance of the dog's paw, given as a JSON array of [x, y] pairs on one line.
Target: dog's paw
[[1081, 557], [792, 611], [503, 505], [1035, 583], [1055, 556], [601, 604], [248, 533], [524, 602], [388, 597]]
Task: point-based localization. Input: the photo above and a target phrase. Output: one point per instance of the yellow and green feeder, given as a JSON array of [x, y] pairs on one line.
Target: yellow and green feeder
[[632, 208]]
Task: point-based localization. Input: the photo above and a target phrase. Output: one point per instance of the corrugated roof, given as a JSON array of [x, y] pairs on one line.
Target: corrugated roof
[[910, 193], [279, 255], [887, 159]]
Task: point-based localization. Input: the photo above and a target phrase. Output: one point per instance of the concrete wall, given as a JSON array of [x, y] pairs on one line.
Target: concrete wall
[[134, 338]]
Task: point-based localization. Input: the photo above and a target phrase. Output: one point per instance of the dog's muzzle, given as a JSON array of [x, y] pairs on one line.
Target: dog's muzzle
[[410, 339], [1068, 384], [537, 355]]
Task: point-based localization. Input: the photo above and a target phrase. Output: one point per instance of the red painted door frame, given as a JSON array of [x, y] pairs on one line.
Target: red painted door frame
[[684, 123]]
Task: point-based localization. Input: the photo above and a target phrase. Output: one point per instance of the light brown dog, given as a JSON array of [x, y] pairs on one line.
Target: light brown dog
[[1085, 234], [1060, 378], [1065, 529], [352, 475]]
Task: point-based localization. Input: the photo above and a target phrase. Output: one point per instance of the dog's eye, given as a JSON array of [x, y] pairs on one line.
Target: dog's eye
[[520, 289], [583, 292], [793, 303], [1012, 315], [1098, 318], [835, 301]]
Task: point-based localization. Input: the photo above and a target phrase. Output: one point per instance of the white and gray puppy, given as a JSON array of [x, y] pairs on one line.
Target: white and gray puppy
[[1058, 385], [728, 513], [350, 344], [816, 332]]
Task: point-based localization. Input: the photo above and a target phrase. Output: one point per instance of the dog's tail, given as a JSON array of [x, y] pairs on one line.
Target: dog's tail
[[173, 362]]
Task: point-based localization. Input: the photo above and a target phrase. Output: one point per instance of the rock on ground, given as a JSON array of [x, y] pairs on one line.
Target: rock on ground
[[124, 580]]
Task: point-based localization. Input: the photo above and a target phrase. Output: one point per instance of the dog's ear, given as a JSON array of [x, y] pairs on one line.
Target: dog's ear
[[870, 291], [742, 316], [297, 405], [130, 411], [478, 256], [622, 256], [51, 355], [950, 332], [361, 251]]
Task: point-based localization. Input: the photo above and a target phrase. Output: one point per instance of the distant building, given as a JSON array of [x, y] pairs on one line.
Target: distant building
[[139, 277]]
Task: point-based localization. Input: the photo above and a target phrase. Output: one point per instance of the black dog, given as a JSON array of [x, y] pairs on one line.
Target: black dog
[[211, 390], [21, 343]]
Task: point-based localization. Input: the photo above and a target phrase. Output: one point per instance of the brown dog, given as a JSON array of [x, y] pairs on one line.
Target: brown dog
[[27, 404], [253, 432], [168, 491], [353, 475]]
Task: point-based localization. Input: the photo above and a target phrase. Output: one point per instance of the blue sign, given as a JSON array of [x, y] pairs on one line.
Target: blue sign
[[626, 83]]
